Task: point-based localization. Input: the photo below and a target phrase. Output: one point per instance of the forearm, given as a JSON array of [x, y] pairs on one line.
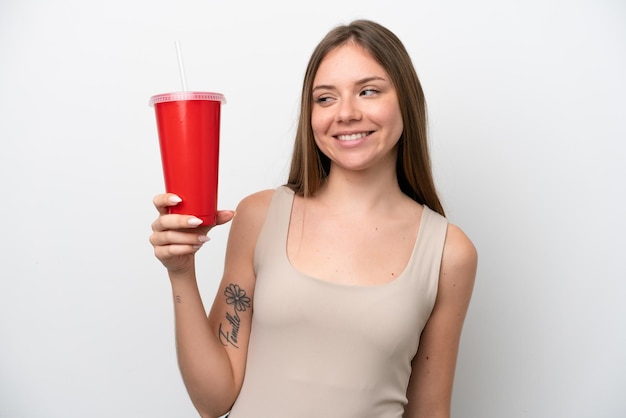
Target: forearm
[[203, 362]]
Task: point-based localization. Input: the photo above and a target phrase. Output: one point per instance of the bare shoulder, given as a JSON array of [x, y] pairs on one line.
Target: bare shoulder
[[459, 249], [260, 196], [248, 221], [459, 261], [252, 209]]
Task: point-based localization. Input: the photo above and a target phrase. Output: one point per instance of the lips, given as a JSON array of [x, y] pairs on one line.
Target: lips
[[352, 137]]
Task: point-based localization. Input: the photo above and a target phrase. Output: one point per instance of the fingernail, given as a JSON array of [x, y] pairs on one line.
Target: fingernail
[[175, 199], [194, 221], [203, 238]]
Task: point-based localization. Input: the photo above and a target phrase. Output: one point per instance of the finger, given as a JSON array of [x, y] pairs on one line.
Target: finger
[[174, 221], [221, 218], [163, 201], [224, 216], [174, 238], [169, 251]]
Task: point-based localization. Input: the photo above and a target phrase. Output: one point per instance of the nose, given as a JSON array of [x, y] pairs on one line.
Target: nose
[[348, 110]]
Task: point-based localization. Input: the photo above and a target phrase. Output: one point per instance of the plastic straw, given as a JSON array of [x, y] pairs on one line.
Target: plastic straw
[[181, 66]]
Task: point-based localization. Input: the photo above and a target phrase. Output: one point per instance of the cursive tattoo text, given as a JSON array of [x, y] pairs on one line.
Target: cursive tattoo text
[[229, 333]]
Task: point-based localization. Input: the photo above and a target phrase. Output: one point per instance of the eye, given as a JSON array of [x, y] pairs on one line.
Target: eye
[[323, 100], [369, 92]]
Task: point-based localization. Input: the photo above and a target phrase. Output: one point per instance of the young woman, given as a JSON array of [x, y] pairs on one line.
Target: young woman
[[345, 291]]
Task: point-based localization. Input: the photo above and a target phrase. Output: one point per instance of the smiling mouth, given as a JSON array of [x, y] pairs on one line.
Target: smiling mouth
[[352, 137]]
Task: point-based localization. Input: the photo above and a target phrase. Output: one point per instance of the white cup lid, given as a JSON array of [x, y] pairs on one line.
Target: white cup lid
[[187, 95]]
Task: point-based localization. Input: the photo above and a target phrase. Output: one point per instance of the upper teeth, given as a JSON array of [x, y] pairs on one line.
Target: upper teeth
[[351, 137]]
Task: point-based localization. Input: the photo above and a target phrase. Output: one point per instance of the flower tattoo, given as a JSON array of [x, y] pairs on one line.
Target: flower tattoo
[[236, 296]]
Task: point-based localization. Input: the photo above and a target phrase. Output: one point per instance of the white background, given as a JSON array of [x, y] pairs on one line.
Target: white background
[[527, 114]]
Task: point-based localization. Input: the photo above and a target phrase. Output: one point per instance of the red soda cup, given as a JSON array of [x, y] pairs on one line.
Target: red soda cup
[[188, 124]]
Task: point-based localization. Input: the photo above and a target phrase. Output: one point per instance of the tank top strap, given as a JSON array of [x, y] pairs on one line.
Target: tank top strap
[[432, 235], [273, 236], [425, 263]]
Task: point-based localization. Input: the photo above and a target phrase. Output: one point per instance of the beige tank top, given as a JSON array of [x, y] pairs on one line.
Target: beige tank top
[[320, 349]]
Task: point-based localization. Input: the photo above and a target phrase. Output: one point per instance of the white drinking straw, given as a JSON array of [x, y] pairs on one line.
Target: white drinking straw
[[181, 66]]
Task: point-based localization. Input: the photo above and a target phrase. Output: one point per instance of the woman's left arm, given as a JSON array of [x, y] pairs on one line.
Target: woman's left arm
[[430, 388]]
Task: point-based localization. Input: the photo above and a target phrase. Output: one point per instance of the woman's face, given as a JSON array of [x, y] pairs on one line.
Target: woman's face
[[355, 116]]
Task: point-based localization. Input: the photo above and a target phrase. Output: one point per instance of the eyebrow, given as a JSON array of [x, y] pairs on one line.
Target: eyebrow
[[361, 81]]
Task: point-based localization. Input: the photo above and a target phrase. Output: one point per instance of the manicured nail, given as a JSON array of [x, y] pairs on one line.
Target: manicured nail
[[203, 238], [194, 221], [175, 199]]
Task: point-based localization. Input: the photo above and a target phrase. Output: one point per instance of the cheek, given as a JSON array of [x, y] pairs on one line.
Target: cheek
[[319, 122], [393, 119]]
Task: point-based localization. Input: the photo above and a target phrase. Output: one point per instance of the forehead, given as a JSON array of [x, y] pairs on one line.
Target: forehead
[[348, 61]]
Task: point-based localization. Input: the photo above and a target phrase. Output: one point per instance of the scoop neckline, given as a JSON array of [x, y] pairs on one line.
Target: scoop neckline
[[315, 279]]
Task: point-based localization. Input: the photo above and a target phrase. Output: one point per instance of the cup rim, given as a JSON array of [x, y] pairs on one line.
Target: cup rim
[[187, 95]]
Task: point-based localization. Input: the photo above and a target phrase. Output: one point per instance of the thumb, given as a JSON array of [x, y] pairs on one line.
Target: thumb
[[224, 216]]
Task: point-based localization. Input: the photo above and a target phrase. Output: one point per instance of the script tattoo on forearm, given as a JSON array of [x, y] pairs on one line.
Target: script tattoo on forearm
[[236, 297]]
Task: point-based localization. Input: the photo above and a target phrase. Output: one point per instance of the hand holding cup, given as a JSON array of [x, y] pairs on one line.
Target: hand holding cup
[[177, 237]]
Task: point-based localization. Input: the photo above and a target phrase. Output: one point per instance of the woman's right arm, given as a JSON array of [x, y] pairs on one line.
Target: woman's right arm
[[211, 351]]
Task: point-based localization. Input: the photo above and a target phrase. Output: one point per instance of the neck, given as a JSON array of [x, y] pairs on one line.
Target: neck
[[359, 191]]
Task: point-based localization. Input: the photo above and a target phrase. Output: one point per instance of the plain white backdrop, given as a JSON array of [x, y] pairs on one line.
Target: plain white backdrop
[[527, 109]]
